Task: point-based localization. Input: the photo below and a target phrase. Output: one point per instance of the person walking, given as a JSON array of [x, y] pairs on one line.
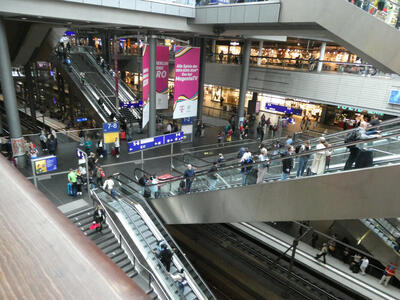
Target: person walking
[[180, 279], [319, 162], [188, 175], [263, 165], [108, 186], [323, 252]]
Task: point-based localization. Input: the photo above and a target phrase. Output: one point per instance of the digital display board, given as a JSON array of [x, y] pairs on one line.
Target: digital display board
[[143, 144], [394, 97], [46, 164]]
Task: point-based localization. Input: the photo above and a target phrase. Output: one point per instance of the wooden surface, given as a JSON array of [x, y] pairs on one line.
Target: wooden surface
[[44, 256]]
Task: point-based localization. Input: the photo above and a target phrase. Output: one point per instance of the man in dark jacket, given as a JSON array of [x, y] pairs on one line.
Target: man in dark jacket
[[189, 177], [287, 163], [166, 256]]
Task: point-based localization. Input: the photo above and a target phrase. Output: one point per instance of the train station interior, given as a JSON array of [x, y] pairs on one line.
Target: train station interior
[[199, 149]]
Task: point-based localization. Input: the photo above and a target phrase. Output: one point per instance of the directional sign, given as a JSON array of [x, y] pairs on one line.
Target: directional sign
[[111, 132], [155, 141], [45, 164], [79, 153]]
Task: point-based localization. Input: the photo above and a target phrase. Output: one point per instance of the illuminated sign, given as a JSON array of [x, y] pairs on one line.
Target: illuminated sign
[[156, 141], [283, 109], [360, 110], [394, 97], [45, 164]]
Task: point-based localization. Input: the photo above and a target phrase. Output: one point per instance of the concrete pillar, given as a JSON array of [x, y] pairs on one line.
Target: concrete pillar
[[321, 57], [260, 47], [10, 100], [214, 50], [29, 85], [203, 57], [152, 85], [244, 79]]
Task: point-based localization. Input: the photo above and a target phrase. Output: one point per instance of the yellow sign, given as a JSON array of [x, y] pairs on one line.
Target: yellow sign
[[110, 137], [40, 166]]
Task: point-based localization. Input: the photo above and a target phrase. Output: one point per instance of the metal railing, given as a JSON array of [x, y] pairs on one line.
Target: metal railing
[[131, 252]]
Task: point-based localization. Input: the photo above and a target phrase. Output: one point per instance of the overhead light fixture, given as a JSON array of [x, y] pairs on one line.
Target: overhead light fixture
[[24, 18], [69, 23], [298, 44], [234, 43]]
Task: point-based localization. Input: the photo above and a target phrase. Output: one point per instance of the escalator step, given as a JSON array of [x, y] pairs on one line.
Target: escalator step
[[124, 263], [115, 253], [132, 273], [119, 258], [128, 268], [105, 244]]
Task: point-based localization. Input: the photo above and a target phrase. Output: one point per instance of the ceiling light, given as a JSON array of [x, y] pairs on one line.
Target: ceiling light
[[24, 18], [69, 23]]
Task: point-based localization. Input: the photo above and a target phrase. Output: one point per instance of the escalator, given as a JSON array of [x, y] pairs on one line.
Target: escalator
[[141, 225], [335, 195]]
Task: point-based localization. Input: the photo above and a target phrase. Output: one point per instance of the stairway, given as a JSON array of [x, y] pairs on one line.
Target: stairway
[[109, 244]]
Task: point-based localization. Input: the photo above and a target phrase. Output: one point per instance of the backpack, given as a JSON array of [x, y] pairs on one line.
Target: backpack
[[183, 282], [298, 147], [102, 174], [352, 137]]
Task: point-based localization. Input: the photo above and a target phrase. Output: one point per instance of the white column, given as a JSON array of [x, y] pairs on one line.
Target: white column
[[260, 47], [321, 56]]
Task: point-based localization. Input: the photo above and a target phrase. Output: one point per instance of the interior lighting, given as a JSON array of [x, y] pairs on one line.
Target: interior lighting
[[24, 18], [363, 237], [298, 44]]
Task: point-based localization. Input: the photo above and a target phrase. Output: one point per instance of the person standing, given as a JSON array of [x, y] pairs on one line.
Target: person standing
[[100, 148], [390, 270], [319, 162], [109, 186], [364, 265], [303, 160], [72, 178], [99, 217], [116, 147], [263, 165], [154, 189], [188, 175], [181, 281], [323, 252], [246, 163], [43, 140], [287, 163], [221, 56], [212, 176]]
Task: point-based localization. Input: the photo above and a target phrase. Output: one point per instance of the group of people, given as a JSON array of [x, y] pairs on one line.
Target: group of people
[[149, 186]]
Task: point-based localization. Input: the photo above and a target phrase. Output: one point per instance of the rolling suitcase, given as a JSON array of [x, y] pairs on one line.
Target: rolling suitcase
[[365, 159], [69, 189], [123, 135], [113, 152]]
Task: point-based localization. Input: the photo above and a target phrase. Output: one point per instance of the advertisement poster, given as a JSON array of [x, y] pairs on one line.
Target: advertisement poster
[[187, 61], [162, 71], [46, 164], [146, 87]]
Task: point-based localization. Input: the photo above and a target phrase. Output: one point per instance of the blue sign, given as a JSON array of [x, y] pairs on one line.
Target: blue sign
[[394, 97], [187, 121], [130, 104], [81, 120], [155, 141], [283, 109], [80, 153], [45, 164], [110, 127]]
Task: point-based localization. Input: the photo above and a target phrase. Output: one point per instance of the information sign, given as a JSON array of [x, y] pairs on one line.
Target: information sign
[[110, 132], [45, 164], [143, 144]]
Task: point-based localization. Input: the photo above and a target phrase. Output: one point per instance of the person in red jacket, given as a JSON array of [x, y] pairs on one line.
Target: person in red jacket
[[390, 270]]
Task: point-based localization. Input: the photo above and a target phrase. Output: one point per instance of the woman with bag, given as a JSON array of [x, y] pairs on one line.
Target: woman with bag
[[99, 216], [319, 162]]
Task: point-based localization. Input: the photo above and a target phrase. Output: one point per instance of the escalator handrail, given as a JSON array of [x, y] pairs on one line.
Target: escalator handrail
[[109, 217], [294, 156], [139, 231], [181, 255], [387, 232]]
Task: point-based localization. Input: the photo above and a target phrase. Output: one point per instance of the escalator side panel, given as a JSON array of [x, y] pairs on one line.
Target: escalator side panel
[[345, 195]]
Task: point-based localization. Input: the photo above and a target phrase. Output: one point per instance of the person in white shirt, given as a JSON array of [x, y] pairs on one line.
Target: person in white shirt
[[109, 186], [364, 265], [263, 165], [319, 162], [181, 280]]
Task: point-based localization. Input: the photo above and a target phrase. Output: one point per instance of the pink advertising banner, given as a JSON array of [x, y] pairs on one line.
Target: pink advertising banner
[[145, 82], [162, 72], [186, 86]]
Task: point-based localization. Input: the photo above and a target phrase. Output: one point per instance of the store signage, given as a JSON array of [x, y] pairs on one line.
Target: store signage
[[156, 141], [45, 164], [284, 109], [145, 82], [394, 97], [186, 85], [81, 120], [360, 110], [110, 132], [219, 2], [162, 72]]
